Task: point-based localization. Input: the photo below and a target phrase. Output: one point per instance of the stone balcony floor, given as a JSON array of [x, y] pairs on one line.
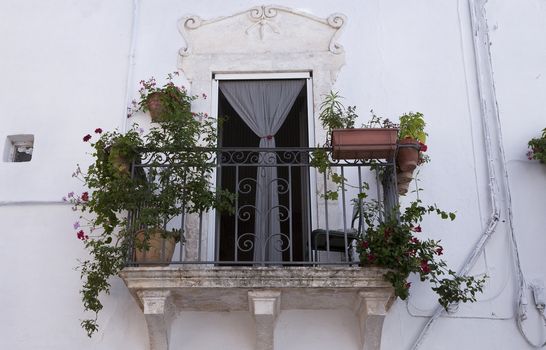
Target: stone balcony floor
[[263, 291]]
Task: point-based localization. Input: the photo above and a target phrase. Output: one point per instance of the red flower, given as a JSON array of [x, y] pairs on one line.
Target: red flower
[[98, 131], [387, 232], [85, 196], [414, 240], [86, 138], [439, 250], [417, 228], [425, 268], [371, 257], [408, 285], [80, 234], [411, 252], [365, 244], [422, 147]]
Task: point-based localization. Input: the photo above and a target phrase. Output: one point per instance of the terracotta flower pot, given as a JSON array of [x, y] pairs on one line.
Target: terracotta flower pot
[[158, 111], [408, 157], [155, 106], [118, 162], [403, 188], [365, 143], [404, 177], [403, 181], [160, 250]]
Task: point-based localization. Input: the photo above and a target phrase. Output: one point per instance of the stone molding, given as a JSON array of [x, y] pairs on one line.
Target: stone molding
[[261, 28]]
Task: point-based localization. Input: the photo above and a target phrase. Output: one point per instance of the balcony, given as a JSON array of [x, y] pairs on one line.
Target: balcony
[[287, 244]]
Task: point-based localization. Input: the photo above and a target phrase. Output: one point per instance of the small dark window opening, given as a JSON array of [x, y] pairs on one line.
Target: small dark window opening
[[19, 148]]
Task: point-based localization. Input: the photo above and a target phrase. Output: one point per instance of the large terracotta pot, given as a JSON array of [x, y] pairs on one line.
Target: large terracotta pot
[[365, 143], [408, 157], [160, 250]]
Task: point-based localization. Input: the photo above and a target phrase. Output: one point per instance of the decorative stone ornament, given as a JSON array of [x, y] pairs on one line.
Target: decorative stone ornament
[[262, 29]]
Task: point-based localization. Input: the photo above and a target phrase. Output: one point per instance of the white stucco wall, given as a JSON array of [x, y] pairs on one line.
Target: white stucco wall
[[65, 66]]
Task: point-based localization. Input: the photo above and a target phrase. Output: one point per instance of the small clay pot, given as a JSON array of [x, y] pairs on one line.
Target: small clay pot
[[404, 177], [408, 157], [403, 188], [155, 106]]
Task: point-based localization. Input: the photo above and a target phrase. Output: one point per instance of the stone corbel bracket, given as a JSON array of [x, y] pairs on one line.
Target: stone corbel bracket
[[371, 308], [158, 312], [265, 306]]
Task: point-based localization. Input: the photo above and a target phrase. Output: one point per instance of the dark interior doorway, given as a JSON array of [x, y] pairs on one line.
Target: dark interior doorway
[[234, 239]]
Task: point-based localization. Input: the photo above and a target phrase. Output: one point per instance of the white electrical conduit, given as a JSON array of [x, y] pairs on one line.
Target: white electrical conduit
[[130, 69], [19, 203], [489, 110]]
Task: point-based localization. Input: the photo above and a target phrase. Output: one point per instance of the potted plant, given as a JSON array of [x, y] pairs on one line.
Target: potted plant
[[173, 168], [411, 145], [537, 148], [395, 244], [164, 102], [376, 140]]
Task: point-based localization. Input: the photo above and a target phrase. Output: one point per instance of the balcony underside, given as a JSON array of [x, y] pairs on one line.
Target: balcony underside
[[264, 291]]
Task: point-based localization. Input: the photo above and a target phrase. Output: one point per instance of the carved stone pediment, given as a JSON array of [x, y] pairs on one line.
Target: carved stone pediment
[[262, 29]]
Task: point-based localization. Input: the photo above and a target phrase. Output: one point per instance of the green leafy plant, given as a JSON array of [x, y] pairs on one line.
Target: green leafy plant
[[334, 115], [176, 179], [537, 148], [163, 102], [412, 125], [394, 244]]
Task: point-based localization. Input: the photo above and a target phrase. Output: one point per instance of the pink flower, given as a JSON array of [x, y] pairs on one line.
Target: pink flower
[[417, 228], [80, 234], [85, 196], [439, 250], [98, 131], [86, 138], [415, 240]]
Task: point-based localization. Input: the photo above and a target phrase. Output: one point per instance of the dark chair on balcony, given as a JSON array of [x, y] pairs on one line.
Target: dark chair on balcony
[[336, 237]]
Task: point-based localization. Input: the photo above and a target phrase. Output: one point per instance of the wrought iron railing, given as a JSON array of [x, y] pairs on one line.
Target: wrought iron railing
[[289, 217]]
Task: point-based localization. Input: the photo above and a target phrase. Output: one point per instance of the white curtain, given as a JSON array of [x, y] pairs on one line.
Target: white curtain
[[263, 105]]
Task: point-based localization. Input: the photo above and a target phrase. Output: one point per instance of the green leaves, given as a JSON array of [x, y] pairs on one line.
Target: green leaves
[[399, 246], [537, 148], [334, 115], [412, 125], [176, 179]]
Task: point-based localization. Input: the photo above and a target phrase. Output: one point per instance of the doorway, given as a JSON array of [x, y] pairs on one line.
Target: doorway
[[237, 235]]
